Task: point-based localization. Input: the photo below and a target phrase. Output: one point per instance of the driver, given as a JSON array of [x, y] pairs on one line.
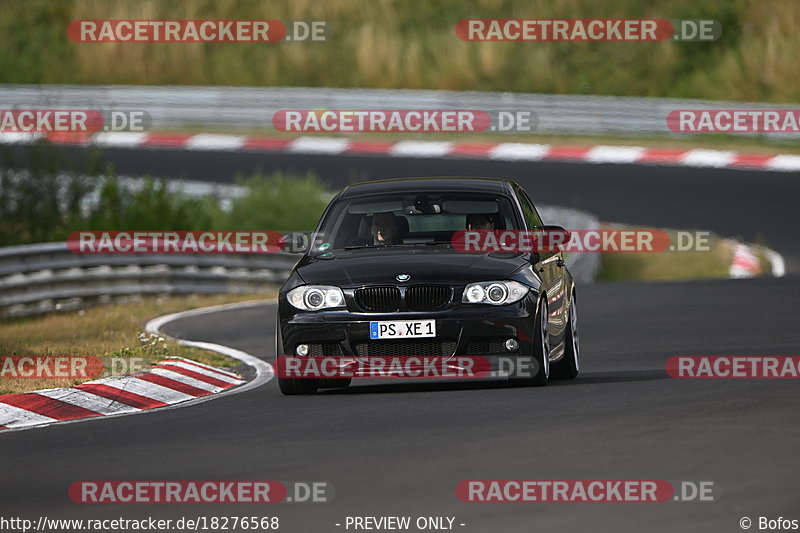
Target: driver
[[480, 222], [384, 228]]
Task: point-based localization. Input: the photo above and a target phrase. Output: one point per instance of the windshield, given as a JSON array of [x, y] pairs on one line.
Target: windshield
[[412, 219]]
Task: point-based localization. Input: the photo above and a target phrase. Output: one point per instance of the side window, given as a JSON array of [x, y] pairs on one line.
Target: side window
[[531, 216]]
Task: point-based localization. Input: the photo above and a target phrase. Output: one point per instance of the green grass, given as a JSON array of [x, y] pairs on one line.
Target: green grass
[[412, 44], [105, 331], [673, 265]]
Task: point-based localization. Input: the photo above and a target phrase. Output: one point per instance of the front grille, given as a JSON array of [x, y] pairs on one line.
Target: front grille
[[324, 349], [489, 345], [383, 299], [428, 297], [421, 348]]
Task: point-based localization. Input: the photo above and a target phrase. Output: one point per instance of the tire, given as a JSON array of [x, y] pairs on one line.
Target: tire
[[541, 349], [292, 386], [570, 364]]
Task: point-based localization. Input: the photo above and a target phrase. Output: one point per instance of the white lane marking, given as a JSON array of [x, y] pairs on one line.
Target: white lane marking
[[614, 154], [203, 371], [145, 388], [120, 139], [708, 158], [14, 137], [87, 400], [318, 145], [14, 417], [182, 378], [208, 141], [420, 148], [788, 163], [519, 151], [778, 265], [264, 371]]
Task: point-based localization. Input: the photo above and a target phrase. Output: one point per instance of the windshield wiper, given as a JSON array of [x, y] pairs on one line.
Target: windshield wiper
[[358, 246], [405, 245]]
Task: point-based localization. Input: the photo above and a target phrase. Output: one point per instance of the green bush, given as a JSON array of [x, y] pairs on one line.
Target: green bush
[[44, 204], [279, 203]]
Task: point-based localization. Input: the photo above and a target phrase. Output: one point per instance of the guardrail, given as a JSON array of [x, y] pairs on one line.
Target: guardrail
[[46, 277], [41, 278], [244, 108]]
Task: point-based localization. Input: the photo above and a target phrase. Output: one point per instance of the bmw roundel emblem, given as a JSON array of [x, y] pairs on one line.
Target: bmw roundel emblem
[[403, 277]]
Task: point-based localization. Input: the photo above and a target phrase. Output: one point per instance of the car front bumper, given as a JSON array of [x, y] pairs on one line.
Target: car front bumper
[[468, 337]]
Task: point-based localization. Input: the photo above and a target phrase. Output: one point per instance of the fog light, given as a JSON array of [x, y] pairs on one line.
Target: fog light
[[512, 345], [301, 350]]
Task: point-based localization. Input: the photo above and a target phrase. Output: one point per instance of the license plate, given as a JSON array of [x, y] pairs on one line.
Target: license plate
[[402, 329]]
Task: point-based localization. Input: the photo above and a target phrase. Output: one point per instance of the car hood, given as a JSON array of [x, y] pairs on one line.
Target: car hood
[[424, 265]]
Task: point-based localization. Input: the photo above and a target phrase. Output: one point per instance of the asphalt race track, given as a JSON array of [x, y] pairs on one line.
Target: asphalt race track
[[752, 205], [400, 449]]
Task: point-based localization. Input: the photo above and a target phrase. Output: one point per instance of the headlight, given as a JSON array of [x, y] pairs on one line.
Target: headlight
[[494, 292], [315, 297]]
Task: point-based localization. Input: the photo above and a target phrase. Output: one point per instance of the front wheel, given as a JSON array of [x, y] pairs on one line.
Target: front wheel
[[541, 349], [293, 386], [569, 366]]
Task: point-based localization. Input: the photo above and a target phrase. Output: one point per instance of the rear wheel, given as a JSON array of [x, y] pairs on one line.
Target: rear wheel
[[569, 366]]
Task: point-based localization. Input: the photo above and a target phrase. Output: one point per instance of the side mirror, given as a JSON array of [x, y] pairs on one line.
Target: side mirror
[[555, 234], [552, 238]]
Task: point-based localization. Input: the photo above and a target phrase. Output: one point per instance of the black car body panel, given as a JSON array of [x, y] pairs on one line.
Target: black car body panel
[[438, 272]]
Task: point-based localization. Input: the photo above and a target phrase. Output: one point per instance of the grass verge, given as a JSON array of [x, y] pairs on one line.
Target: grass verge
[[413, 44], [106, 331], [673, 265]]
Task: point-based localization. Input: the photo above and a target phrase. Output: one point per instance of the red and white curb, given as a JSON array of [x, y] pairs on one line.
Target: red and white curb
[[700, 158], [174, 382], [745, 263]]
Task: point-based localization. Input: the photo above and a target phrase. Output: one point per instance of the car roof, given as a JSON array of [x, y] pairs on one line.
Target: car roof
[[484, 185]]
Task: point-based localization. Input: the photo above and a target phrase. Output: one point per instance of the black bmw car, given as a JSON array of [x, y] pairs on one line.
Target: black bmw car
[[383, 278]]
